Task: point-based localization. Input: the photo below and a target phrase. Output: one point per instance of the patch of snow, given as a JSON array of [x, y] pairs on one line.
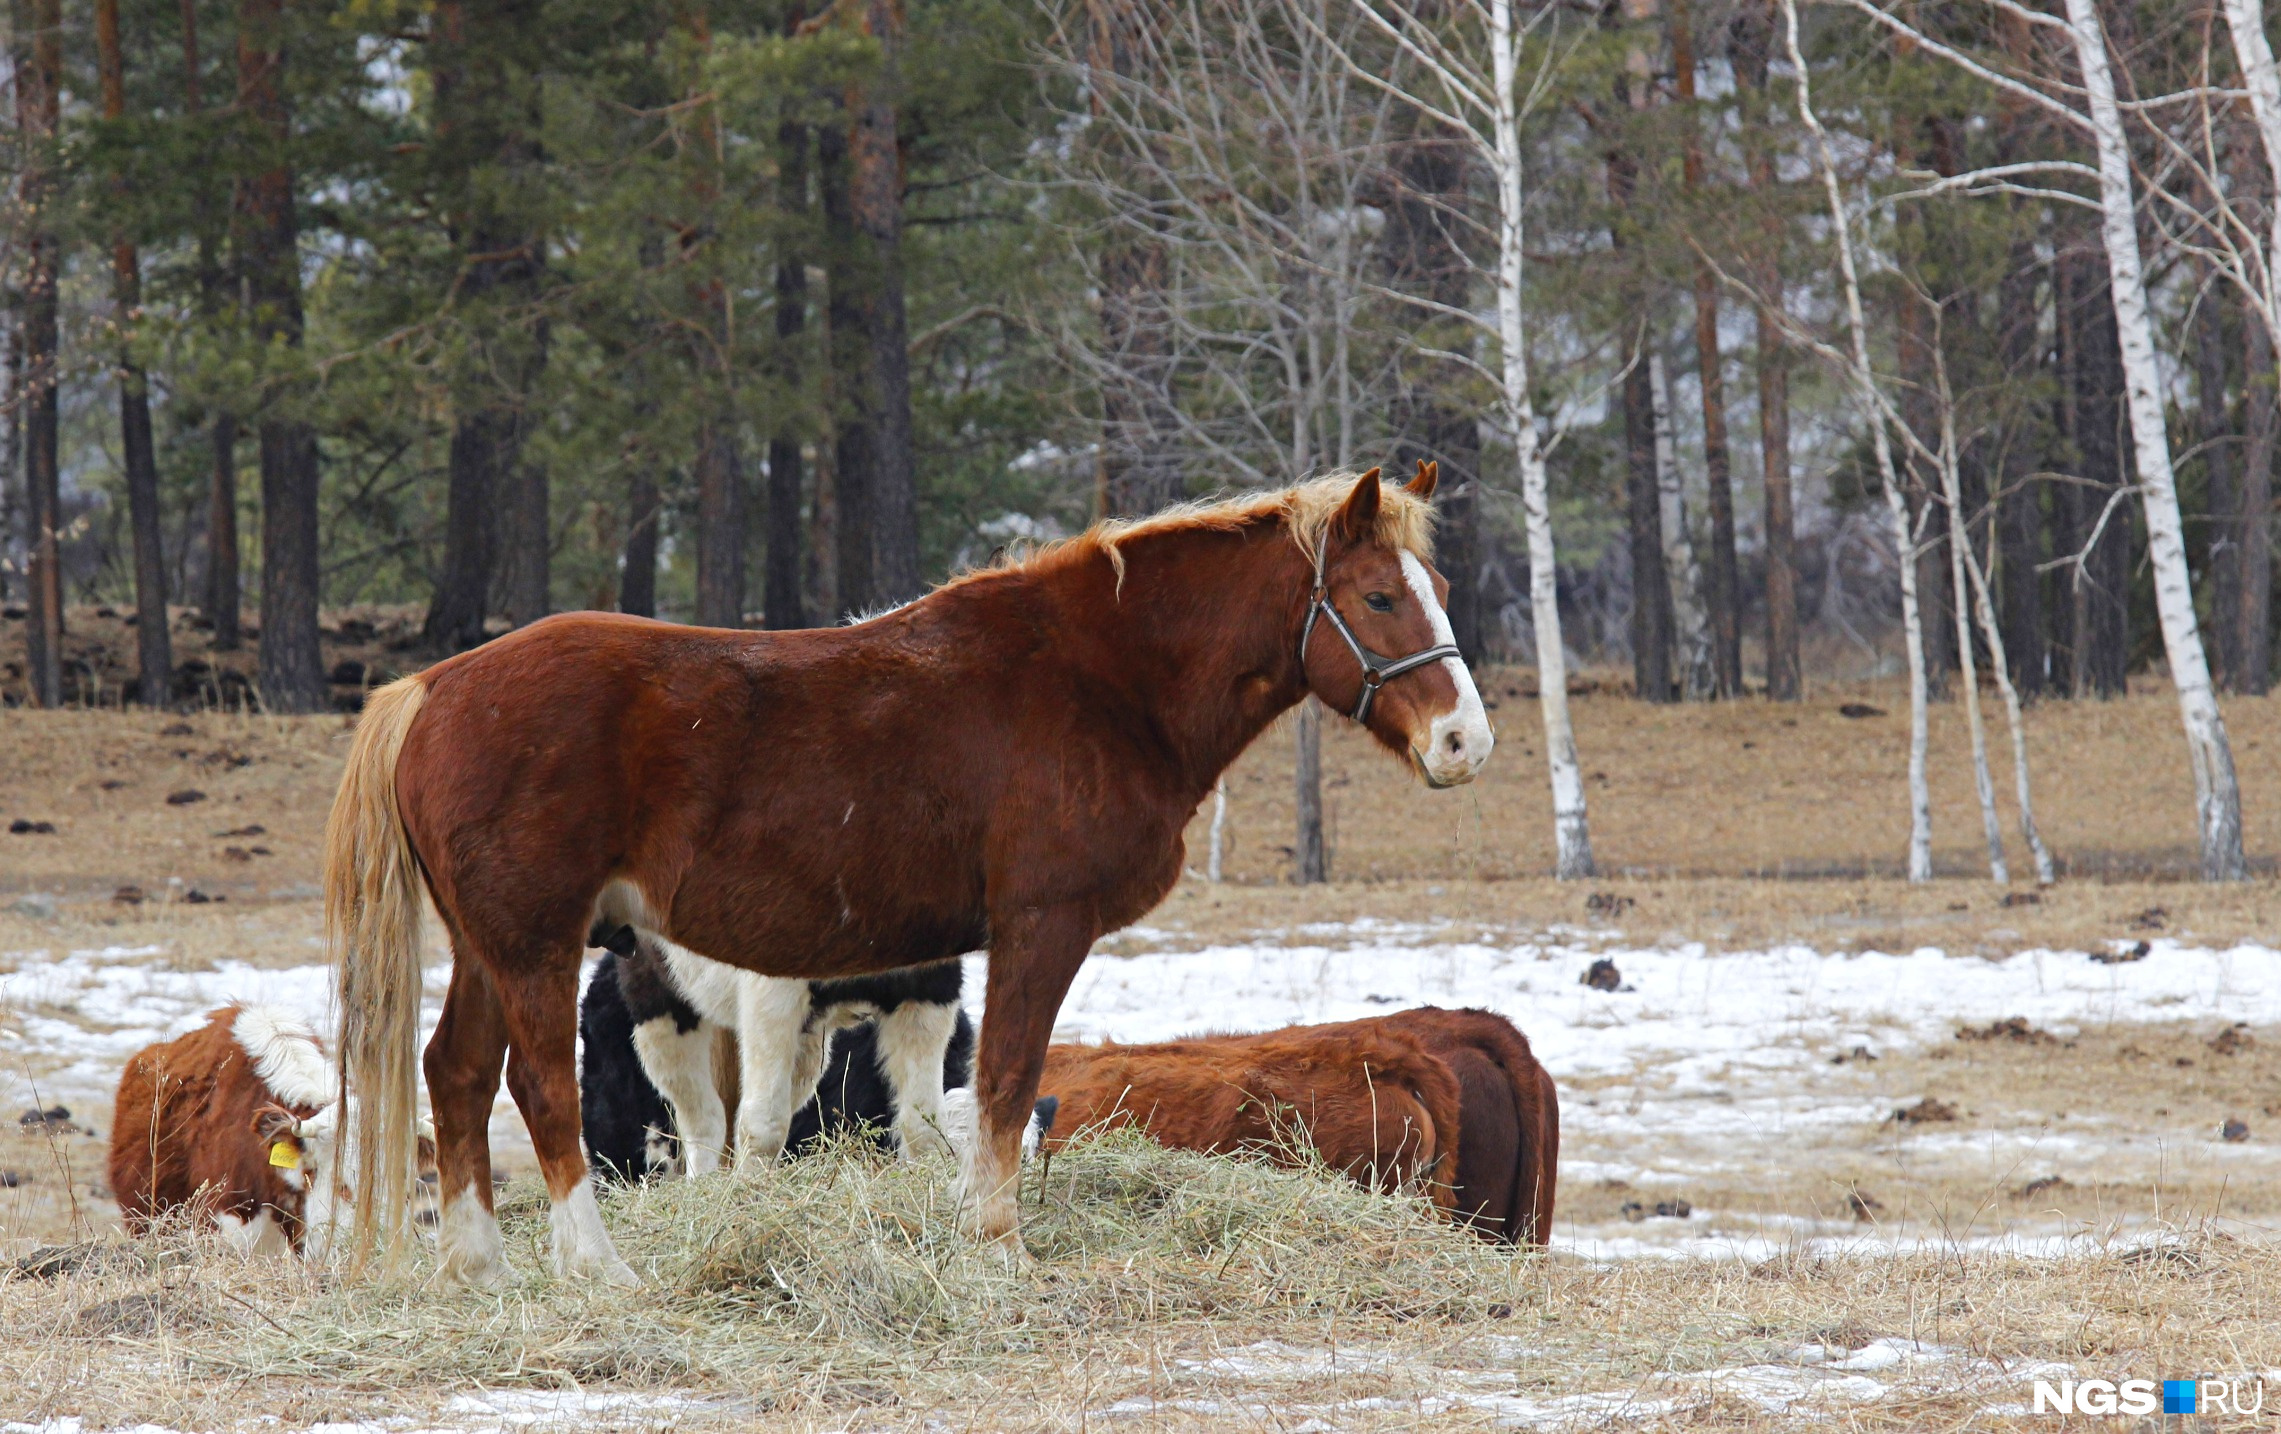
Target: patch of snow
[[1814, 1376]]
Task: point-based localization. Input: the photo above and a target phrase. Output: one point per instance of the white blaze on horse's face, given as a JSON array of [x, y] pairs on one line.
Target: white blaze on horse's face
[[1458, 741]]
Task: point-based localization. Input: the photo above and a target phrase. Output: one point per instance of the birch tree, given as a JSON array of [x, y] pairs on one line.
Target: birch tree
[[1864, 382], [2217, 794], [1959, 554], [1470, 81]]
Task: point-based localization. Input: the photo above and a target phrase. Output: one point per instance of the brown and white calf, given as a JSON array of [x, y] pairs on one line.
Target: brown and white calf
[[234, 1124]]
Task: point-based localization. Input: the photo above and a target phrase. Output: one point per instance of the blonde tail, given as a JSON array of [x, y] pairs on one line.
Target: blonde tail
[[372, 920]]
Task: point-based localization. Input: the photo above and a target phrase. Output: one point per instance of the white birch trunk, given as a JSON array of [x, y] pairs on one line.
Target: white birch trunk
[[1959, 554], [1865, 383], [1985, 608], [1571, 835], [2245, 19], [1679, 545], [2217, 795]]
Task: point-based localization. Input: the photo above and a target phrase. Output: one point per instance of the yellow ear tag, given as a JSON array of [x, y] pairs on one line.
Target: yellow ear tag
[[285, 1155]]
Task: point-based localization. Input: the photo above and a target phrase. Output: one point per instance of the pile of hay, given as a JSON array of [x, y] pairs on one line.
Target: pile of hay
[[837, 1273]]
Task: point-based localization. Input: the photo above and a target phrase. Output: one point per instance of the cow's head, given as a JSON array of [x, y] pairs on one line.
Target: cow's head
[[328, 1173]]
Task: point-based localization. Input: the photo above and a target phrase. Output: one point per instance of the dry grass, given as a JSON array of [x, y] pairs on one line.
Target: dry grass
[[1745, 790], [1755, 789], [1724, 913], [827, 1294]]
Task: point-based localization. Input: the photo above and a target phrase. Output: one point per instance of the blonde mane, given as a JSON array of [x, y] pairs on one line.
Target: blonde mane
[[1405, 522]]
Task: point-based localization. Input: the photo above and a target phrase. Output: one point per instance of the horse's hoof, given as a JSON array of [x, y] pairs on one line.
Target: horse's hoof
[[479, 1275], [622, 1275]]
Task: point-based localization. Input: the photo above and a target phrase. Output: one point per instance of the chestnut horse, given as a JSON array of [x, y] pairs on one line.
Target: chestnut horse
[[1008, 762]]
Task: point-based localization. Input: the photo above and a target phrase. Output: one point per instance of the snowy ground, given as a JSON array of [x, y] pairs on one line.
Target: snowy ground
[[1701, 1070], [1700, 1066]]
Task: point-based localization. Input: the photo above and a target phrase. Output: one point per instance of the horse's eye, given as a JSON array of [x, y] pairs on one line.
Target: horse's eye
[[1378, 602]]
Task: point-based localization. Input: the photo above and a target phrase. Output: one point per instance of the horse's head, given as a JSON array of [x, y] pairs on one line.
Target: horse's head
[[1376, 644]]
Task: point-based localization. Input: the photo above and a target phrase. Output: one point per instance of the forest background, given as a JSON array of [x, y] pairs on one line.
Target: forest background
[[770, 314]]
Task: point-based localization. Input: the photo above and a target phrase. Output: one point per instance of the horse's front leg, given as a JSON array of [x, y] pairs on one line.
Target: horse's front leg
[[779, 1062], [1033, 958]]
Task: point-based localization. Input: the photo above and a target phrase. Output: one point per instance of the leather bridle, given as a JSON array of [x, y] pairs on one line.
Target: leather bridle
[[1377, 671]]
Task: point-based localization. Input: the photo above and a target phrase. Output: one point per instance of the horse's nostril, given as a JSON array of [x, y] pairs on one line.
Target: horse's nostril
[[1456, 743]]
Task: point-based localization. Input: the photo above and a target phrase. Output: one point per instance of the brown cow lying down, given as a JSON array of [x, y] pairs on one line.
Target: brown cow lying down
[[1508, 1147], [1374, 1102], [234, 1124], [1448, 1100]]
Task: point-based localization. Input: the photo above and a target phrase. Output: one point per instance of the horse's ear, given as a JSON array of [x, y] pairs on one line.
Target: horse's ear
[[1358, 516], [1422, 486]]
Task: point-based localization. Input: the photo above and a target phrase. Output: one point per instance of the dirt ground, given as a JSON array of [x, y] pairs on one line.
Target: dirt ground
[[193, 838]]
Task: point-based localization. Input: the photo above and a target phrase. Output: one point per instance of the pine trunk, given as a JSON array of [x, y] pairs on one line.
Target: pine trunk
[[1785, 681], [291, 663], [152, 640], [637, 584], [2217, 793], [2221, 498], [39, 88], [12, 459], [2255, 615], [462, 597], [223, 598], [2251, 617], [782, 604], [849, 279], [720, 526], [2100, 513], [876, 197], [1651, 624], [2019, 501], [527, 552], [1748, 51]]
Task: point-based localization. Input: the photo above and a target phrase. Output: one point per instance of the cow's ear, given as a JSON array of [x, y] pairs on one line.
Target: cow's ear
[[1422, 486], [1357, 520], [275, 1122]]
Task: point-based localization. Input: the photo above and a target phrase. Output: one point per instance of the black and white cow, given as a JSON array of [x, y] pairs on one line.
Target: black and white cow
[[629, 1124], [669, 1009]]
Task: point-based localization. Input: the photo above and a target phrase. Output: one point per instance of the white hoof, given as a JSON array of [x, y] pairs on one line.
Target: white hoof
[[468, 1248], [581, 1247]]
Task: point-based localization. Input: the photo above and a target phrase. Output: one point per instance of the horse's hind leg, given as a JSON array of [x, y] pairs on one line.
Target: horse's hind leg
[[912, 1038], [462, 1065], [542, 1072]]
